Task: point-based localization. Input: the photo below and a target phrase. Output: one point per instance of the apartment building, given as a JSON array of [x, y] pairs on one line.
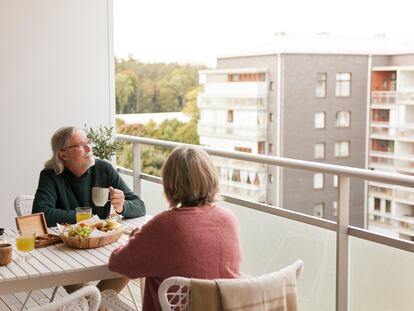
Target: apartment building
[[315, 104], [391, 208]]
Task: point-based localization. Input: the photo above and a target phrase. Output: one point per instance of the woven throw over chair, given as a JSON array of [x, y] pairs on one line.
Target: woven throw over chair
[[87, 298], [179, 299]]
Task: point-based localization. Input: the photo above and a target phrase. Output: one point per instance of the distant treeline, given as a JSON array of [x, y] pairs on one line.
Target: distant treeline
[[158, 87]]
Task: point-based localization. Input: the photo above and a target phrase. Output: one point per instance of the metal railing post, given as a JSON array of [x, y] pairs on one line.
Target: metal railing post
[[137, 168], [342, 244]]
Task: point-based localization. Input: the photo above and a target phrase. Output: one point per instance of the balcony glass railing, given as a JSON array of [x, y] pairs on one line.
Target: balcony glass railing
[[205, 101], [383, 97], [237, 131], [346, 268], [406, 98]]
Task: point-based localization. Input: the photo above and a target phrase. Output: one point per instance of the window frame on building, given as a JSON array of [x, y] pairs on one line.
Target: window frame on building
[[230, 116], [339, 154], [321, 84], [315, 150], [316, 185], [338, 116], [340, 84], [319, 210], [322, 113]]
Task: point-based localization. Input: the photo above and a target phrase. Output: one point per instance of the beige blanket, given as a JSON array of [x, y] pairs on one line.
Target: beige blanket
[[275, 291], [205, 295]]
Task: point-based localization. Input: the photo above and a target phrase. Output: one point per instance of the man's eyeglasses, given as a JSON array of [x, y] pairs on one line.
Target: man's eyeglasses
[[83, 146]]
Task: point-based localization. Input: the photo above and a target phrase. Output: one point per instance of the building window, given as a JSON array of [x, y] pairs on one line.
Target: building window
[[335, 181], [318, 210], [318, 181], [388, 206], [335, 208], [342, 149], [320, 120], [343, 119], [377, 204], [230, 116], [270, 179], [243, 149], [343, 84], [270, 117], [320, 89], [261, 145], [270, 148], [271, 85], [320, 151]]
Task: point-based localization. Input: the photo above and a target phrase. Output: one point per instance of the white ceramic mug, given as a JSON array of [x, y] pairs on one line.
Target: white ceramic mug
[[100, 196]]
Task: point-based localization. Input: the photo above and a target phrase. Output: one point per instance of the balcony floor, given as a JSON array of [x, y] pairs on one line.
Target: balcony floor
[[13, 302]]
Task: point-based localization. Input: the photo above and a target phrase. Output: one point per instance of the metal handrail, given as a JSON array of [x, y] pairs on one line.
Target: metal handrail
[[389, 178]]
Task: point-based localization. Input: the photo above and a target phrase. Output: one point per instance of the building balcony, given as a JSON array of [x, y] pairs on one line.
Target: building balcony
[[335, 254], [406, 195], [217, 102], [237, 89], [405, 98], [239, 164], [256, 193], [232, 130], [383, 99]]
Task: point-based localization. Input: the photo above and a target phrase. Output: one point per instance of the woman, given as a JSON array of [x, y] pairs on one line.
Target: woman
[[194, 238]]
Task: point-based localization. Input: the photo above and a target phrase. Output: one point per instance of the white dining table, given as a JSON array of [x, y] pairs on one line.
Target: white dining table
[[58, 264]]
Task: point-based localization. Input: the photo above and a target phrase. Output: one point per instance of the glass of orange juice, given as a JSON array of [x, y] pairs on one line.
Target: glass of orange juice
[[25, 243], [83, 213]]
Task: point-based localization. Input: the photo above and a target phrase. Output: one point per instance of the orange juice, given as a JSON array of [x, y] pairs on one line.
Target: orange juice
[[25, 243], [82, 216]]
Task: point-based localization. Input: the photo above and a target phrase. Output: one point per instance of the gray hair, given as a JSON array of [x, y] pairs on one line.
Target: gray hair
[[59, 141]]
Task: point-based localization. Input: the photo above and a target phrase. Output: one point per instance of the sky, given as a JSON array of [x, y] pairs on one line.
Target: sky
[[195, 31]]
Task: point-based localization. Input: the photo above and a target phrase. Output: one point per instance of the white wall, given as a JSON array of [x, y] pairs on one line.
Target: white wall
[[56, 60]]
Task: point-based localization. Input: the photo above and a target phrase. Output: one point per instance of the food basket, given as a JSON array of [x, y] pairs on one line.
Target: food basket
[[92, 242]]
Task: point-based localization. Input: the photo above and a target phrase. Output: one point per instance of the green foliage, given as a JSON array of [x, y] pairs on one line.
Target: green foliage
[[153, 157], [125, 88], [105, 146], [159, 87]]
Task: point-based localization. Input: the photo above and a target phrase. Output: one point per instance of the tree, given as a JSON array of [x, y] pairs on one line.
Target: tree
[[125, 88], [158, 87]]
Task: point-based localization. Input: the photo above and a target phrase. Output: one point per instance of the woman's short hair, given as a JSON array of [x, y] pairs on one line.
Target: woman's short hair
[[189, 178], [59, 141]]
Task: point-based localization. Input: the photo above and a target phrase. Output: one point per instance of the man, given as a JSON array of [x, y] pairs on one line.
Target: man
[[68, 178], [67, 181]]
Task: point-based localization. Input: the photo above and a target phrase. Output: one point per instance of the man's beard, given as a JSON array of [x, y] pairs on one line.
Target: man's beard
[[90, 163]]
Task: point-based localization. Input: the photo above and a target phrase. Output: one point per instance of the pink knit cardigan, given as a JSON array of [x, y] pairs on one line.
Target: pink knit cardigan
[[201, 242]]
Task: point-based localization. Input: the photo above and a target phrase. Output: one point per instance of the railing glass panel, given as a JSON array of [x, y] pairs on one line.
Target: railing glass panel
[[381, 278]]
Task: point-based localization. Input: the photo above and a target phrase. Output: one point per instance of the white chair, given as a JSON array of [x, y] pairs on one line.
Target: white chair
[[87, 298], [23, 204], [179, 300]]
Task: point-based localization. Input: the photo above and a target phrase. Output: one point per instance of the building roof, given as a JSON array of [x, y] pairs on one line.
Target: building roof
[[324, 43]]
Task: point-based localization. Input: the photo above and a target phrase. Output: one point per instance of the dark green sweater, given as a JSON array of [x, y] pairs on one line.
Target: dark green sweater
[[57, 196]]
